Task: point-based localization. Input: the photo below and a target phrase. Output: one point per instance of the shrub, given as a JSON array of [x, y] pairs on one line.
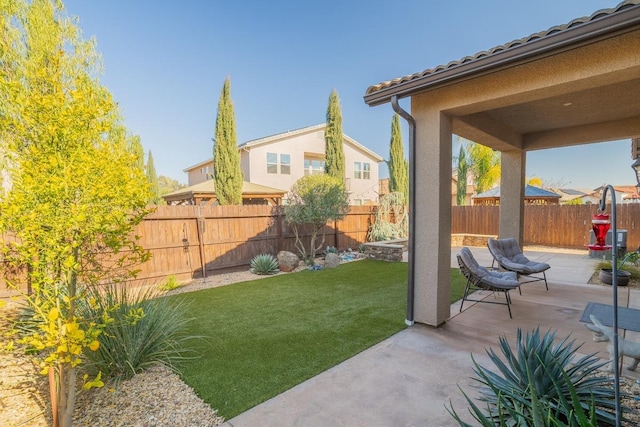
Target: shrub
[[264, 264], [631, 268], [313, 201], [171, 284], [145, 331], [331, 250], [539, 377]]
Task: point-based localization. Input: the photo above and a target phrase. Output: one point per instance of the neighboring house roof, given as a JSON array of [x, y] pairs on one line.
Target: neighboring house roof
[[555, 39], [618, 189], [572, 192], [289, 134], [624, 192], [568, 194], [529, 192], [208, 189]]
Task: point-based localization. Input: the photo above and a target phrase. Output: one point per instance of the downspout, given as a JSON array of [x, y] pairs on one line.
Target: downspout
[[412, 207]]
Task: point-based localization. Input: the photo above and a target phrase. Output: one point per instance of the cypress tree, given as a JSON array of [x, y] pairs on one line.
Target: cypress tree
[[333, 139], [398, 166], [227, 173], [461, 188], [152, 179], [135, 147]]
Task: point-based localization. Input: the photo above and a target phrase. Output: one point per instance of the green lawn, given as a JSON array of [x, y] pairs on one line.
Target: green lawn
[[268, 335]]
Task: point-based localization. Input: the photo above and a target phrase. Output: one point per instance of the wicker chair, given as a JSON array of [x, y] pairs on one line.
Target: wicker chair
[[509, 256], [481, 278]]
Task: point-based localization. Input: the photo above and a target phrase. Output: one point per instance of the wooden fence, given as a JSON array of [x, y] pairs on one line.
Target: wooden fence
[[186, 241], [549, 225]]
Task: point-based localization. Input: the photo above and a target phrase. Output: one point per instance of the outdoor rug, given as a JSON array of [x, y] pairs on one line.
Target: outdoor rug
[[628, 318]]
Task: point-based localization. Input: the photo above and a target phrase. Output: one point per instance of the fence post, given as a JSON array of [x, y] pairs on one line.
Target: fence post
[[200, 231], [278, 218]]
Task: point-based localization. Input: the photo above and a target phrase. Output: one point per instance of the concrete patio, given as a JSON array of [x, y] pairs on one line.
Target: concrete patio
[[407, 379]]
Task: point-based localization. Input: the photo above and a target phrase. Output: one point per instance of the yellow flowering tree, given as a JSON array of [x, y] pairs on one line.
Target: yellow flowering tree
[[75, 191]]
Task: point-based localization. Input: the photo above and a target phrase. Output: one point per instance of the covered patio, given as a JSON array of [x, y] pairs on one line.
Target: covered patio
[[572, 84]]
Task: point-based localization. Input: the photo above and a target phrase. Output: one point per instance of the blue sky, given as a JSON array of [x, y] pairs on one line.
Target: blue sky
[[165, 63]]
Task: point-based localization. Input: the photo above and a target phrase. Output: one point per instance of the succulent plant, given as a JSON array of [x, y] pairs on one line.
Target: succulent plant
[[331, 250], [264, 264], [540, 378]]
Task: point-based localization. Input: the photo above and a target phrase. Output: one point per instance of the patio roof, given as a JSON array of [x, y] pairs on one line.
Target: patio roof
[[605, 22], [529, 191], [603, 108], [206, 192]]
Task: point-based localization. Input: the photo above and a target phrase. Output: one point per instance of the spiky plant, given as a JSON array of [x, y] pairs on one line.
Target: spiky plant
[[542, 374], [510, 411], [264, 264], [145, 330]]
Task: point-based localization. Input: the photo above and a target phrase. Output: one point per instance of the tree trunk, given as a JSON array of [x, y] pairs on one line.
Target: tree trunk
[[67, 394], [53, 395]]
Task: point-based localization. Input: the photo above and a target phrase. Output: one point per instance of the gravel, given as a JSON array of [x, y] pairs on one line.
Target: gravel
[[156, 397]]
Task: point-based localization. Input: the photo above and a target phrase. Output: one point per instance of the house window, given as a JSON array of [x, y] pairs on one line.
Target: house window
[[366, 171], [313, 166], [361, 170], [357, 170], [285, 164], [272, 163]]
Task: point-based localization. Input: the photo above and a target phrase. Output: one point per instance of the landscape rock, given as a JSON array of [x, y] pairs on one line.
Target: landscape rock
[[331, 260], [288, 261]]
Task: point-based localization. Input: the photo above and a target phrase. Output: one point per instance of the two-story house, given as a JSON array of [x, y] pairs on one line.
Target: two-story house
[[278, 161]]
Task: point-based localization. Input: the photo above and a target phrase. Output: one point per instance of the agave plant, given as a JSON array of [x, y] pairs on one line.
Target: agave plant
[[264, 264], [513, 413], [540, 384]]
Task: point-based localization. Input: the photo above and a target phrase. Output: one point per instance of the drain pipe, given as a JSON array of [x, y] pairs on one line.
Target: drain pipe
[[412, 206]]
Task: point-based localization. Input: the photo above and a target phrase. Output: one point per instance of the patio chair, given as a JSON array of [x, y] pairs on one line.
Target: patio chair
[[509, 256], [481, 278]]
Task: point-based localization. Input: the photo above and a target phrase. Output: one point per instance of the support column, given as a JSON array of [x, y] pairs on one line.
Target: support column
[[433, 217], [512, 182]]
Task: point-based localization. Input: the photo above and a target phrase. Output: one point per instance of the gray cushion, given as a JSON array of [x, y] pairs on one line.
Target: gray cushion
[[501, 279], [508, 254]]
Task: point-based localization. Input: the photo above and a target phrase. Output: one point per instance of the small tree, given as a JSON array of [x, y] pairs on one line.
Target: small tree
[[152, 179], [135, 147], [398, 166], [227, 173], [76, 193], [333, 137], [315, 200], [484, 163], [168, 185]]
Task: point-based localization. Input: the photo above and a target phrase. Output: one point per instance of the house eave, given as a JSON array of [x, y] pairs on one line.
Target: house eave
[[599, 28]]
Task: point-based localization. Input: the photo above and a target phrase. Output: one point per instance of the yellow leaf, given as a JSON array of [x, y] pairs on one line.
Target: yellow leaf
[[94, 345], [97, 382], [53, 314]]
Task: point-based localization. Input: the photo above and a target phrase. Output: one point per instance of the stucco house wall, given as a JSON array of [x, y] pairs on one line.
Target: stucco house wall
[[278, 161]]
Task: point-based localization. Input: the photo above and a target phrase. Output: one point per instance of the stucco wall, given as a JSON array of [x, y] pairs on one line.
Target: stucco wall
[[253, 160]]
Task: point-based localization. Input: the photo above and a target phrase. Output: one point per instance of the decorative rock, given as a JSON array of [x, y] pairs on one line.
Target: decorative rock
[[288, 261], [331, 260]]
